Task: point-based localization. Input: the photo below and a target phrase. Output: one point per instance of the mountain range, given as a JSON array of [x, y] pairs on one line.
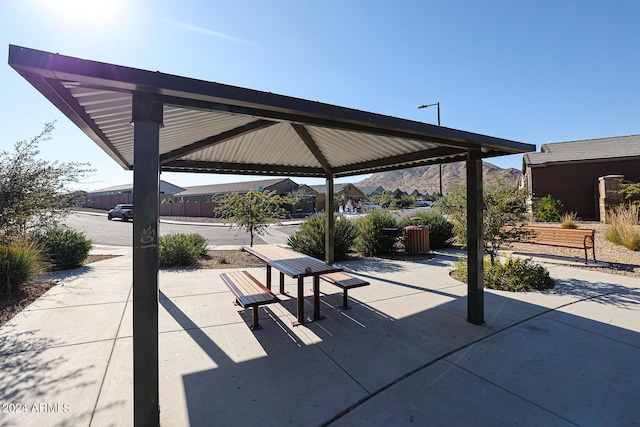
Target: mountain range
[[426, 178]]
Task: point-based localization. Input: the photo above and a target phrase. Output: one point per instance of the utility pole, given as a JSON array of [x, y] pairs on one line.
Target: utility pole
[[440, 164]]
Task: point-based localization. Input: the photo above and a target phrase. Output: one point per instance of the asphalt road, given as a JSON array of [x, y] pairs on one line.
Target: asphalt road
[[118, 233]]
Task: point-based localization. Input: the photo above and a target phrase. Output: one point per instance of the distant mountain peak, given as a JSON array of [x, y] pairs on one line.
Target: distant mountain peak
[[427, 178]]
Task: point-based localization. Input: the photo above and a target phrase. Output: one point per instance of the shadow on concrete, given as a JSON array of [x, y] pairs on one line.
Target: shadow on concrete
[[364, 365]]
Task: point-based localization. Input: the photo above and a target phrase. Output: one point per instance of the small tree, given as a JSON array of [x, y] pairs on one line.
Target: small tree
[[503, 216], [631, 190], [385, 200], [34, 191], [252, 211]]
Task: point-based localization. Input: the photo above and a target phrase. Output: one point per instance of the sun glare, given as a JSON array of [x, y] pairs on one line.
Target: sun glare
[[93, 13]]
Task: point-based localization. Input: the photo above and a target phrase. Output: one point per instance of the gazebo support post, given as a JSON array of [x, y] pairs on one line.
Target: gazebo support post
[[475, 246], [147, 120], [329, 252]]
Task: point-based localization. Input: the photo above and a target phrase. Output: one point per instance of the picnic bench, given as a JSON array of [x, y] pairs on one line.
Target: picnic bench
[[249, 292], [345, 281], [579, 238]]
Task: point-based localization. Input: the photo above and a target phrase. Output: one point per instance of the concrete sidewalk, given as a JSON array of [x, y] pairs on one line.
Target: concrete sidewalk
[[403, 355]]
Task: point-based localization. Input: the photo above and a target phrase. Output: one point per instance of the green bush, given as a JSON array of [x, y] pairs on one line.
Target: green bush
[[370, 240], [310, 239], [440, 229], [63, 247], [514, 275], [20, 262], [549, 209], [181, 249]]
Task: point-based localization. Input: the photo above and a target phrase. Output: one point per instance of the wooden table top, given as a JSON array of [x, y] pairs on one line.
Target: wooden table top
[[290, 262]]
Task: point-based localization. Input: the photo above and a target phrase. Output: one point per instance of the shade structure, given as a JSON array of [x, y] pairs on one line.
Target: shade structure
[[217, 128], [151, 122]]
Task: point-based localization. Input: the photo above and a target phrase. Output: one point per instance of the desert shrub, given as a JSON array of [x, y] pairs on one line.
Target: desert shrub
[[181, 249], [440, 229], [514, 275], [370, 240], [310, 239], [20, 262], [568, 220], [549, 209], [623, 227], [63, 247]]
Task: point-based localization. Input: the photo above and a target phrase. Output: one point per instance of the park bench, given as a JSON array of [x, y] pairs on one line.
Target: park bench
[[579, 238], [344, 281], [249, 292]]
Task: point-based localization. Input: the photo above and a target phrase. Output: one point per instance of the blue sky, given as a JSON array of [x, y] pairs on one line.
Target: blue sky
[[534, 71]]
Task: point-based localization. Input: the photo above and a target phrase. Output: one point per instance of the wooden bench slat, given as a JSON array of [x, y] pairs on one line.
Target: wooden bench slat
[[249, 292], [577, 238]]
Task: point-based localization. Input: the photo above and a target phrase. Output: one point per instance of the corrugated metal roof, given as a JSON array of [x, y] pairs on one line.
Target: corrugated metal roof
[[585, 150], [211, 127]]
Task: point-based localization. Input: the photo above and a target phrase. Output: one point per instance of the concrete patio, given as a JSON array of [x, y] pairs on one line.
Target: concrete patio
[[403, 355]]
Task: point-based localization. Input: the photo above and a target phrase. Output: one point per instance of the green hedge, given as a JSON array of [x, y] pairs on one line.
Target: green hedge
[[370, 240], [310, 239], [515, 275], [440, 229], [181, 249], [63, 247]]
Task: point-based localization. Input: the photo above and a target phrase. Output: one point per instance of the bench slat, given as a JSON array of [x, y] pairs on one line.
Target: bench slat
[[249, 292], [577, 238]]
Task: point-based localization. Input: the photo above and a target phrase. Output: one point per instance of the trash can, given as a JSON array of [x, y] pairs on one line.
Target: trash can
[[416, 239]]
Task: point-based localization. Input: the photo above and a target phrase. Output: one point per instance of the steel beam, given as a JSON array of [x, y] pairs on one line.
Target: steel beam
[[329, 252], [147, 120], [475, 245]]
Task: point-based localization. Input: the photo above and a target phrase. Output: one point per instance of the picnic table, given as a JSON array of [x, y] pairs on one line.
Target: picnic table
[[297, 266]]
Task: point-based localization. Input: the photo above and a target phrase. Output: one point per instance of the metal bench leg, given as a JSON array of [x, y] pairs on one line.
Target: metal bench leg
[[345, 300], [281, 282], [255, 325], [316, 298]]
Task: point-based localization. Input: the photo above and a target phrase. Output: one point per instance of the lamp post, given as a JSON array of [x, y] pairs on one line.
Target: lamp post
[[440, 164]]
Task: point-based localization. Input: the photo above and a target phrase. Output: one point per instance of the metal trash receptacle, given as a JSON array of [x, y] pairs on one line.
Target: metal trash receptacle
[[416, 239]]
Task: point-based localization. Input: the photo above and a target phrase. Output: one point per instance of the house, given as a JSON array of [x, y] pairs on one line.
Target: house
[[371, 191], [346, 197], [107, 198], [204, 194], [416, 195], [398, 193], [571, 171]]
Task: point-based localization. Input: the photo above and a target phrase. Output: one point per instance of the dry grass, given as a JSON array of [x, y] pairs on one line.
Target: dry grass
[[623, 228]]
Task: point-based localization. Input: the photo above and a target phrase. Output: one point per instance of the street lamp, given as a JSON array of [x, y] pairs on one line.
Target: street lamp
[[440, 164]]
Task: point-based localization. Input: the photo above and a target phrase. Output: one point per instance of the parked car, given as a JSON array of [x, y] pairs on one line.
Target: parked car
[[124, 212], [422, 203], [366, 206]]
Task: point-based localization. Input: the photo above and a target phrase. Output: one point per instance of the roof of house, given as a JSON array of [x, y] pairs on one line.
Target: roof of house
[[590, 149], [234, 187], [164, 186], [337, 188], [370, 189]]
